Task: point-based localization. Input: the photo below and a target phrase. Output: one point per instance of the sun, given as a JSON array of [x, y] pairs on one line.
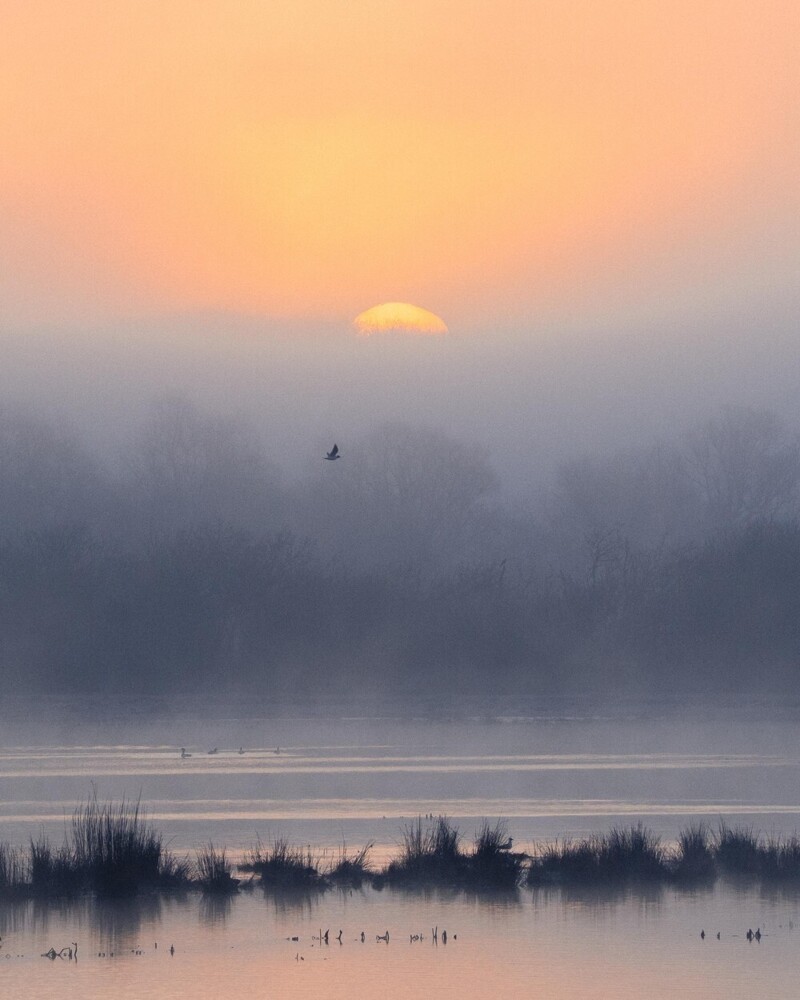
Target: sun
[[399, 317]]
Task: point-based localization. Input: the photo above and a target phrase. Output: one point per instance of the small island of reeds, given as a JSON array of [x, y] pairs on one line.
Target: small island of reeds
[[113, 850]]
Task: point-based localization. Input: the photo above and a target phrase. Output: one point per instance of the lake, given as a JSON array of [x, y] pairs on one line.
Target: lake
[[328, 782]]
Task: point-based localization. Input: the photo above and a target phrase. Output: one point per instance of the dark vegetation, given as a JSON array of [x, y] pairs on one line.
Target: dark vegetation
[[187, 561], [283, 865], [212, 870], [113, 852], [635, 854], [108, 849]]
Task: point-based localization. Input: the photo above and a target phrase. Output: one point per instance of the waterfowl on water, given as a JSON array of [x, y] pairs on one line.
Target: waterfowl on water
[[184, 753]]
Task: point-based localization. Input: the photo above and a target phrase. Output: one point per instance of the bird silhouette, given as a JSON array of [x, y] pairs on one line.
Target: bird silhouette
[[184, 753], [333, 454]]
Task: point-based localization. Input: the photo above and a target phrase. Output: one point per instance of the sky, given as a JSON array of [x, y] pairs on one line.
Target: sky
[[599, 199], [506, 165]]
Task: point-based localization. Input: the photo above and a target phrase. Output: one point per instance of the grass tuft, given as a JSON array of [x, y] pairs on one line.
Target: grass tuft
[[694, 860], [351, 869], [282, 865], [213, 871], [492, 862], [430, 853], [12, 870], [737, 850]]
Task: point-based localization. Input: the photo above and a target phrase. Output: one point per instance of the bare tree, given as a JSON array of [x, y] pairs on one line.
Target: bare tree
[[745, 465], [189, 469]]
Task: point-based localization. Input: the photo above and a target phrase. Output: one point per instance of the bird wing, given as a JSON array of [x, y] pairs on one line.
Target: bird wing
[[335, 450]]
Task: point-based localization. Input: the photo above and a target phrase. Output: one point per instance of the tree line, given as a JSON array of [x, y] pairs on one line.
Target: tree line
[[186, 561]]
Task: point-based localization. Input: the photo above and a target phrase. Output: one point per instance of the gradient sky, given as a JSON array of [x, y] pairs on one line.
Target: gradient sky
[[305, 159]]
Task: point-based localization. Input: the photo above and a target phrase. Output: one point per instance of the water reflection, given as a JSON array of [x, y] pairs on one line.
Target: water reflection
[[215, 908], [601, 896], [117, 923], [294, 902], [488, 898]]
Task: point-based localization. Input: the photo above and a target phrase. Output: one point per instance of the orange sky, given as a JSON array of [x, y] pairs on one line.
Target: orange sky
[[309, 158]]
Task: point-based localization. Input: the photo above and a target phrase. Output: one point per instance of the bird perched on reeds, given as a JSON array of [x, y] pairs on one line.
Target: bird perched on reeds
[[333, 454]]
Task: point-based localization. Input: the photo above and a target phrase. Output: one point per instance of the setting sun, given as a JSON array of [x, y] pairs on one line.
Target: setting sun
[[398, 317]]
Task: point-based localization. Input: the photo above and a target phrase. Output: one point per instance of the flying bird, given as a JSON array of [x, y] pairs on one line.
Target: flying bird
[[333, 454]]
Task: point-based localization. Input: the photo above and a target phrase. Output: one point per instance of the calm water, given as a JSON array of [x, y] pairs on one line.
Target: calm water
[[323, 783]]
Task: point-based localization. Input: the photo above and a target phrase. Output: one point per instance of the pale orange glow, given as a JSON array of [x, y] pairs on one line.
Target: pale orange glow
[[291, 159], [398, 317]]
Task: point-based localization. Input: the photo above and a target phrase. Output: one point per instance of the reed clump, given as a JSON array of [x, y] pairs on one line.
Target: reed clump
[[492, 862], [114, 848], [351, 869], [52, 871], [429, 853], [213, 872], [282, 865], [738, 850], [13, 870], [111, 849], [694, 860], [624, 854], [780, 859]]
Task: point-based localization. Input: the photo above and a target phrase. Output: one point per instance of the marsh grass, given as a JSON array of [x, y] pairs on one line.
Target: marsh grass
[[213, 872], [492, 863], [738, 850], [351, 869], [428, 853], [632, 852], [693, 860], [780, 859], [13, 870], [115, 848], [112, 850], [282, 865], [564, 861], [52, 871], [624, 854]]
